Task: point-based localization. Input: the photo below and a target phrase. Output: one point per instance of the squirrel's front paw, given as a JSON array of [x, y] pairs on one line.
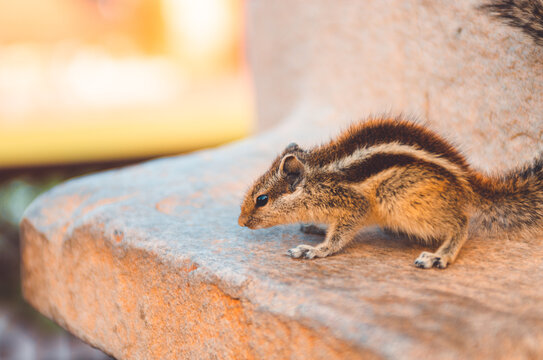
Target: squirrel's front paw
[[306, 252], [426, 260]]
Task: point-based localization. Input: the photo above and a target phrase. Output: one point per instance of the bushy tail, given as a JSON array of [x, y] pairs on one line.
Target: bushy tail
[[511, 202], [526, 15]]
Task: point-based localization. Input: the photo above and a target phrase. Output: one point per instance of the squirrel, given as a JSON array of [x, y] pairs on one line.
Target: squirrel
[[396, 174]]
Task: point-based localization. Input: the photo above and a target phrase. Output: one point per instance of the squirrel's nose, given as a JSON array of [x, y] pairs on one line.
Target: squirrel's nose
[[242, 220]]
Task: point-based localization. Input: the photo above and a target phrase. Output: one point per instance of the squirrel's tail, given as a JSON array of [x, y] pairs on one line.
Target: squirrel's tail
[[526, 15], [511, 202]]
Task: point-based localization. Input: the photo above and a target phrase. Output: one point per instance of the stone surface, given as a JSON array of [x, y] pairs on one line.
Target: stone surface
[[470, 77], [148, 261]]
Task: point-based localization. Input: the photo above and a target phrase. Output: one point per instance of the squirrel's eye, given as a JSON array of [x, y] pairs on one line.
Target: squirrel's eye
[[261, 200]]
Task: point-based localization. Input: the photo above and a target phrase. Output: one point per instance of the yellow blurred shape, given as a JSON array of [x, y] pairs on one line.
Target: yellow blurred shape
[[96, 108], [115, 135]]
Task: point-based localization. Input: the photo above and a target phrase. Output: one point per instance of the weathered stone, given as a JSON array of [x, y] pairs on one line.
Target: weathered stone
[[148, 261], [477, 81]]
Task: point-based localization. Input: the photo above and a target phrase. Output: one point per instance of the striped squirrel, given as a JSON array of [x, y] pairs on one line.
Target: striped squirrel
[[398, 175]]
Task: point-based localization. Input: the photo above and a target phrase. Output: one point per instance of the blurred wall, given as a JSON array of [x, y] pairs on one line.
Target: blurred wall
[[470, 77]]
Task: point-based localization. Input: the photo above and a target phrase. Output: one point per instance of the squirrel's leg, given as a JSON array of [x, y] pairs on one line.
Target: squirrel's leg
[[447, 252], [313, 229], [338, 235]]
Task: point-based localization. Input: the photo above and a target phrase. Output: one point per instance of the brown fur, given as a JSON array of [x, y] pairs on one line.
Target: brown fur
[[526, 15], [398, 175]]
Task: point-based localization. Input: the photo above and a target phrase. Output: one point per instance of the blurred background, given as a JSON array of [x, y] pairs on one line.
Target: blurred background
[[87, 85]]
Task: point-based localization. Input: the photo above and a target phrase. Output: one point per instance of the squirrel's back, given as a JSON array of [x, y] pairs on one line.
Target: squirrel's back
[[512, 201], [381, 135]]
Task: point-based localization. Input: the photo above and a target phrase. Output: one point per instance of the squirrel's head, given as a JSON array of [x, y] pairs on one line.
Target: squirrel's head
[[272, 198]]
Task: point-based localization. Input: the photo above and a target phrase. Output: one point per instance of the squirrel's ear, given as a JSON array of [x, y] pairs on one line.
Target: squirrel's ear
[[292, 146], [291, 166]]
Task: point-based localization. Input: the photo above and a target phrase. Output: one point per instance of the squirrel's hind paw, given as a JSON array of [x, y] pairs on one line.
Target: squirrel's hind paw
[[426, 260]]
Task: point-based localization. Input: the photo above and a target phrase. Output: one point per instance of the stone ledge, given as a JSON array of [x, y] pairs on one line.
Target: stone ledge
[[148, 262]]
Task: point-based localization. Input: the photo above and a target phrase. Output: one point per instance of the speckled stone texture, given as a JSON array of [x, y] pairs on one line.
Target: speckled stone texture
[[148, 262], [445, 62]]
